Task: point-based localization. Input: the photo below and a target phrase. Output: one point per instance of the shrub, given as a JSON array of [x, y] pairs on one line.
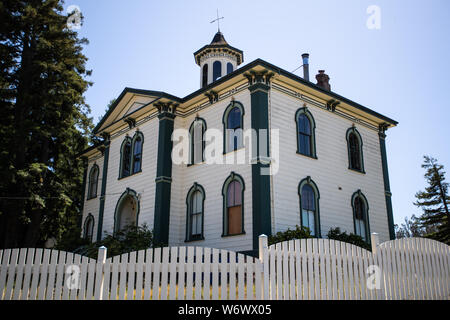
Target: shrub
[[131, 238], [298, 233], [337, 234]]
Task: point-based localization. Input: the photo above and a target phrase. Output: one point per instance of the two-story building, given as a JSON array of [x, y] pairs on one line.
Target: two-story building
[[255, 150]]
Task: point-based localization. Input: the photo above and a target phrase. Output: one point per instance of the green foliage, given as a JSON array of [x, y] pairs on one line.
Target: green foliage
[[337, 234], [298, 233], [44, 122], [412, 227], [434, 201], [129, 239]]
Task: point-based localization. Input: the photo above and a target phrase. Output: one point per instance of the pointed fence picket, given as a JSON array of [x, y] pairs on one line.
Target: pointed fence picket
[[302, 269]]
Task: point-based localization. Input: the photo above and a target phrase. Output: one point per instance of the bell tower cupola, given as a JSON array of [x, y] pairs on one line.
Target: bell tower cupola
[[217, 59]]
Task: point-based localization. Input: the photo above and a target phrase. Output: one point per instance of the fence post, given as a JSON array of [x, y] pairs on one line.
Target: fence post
[[99, 279], [375, 239], [264, 258]]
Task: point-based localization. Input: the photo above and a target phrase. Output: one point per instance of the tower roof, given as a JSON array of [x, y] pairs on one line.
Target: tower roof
[[219, 39], [219, 44]]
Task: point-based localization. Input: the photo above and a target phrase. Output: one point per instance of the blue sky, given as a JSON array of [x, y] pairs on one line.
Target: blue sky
[[401, 70]]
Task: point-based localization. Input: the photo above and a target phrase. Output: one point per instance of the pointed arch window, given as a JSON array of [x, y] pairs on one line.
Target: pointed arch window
[[197, 136], [233, 205], [309, 206], [361, 215], [233, 122], [195, 201], [205, 75], [93, 182], [306, 126], [138, 141], [88, 227], [127, 210], [355, 150], [125, 158], [217, 70]]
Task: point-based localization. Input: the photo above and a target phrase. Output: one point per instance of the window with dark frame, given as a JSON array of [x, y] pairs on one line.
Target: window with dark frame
[[137, 155], [308, 201], [355, 152], [360, 218], [304, 135], [234, 122], [126, 159], [234, 208]]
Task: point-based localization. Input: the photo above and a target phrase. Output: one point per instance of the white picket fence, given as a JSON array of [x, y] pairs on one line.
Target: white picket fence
[[414, 268]]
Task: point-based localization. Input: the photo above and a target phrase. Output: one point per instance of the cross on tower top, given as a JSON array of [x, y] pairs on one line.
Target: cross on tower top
[[218, 21]]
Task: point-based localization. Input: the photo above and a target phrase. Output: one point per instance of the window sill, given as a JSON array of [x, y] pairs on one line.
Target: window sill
[[131, 175], [227, 152], [194, 164], [307, 156], [233, 235], [195, 239], [87, 199], [358, 171]]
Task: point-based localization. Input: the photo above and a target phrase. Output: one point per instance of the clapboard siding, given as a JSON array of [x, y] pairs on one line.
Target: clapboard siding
[[91, 206], [143, 183], [330, 171], [211, 177]]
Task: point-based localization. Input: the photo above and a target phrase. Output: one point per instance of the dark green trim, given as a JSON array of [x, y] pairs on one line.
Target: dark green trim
[[127, 193], [387, 188], [103, 192], [359, 194], [89, 196], [83, 191], [194, 188], [89, 217], [224, 123], [163, 175], [310, 182], [191, 140], [261, 188], [232, 177], [307, 113], [361, 154]]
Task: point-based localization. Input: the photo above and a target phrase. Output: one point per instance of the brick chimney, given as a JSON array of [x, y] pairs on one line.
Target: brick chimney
[[323, 80]]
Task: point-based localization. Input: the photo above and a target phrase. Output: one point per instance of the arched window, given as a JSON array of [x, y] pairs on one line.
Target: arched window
[[93, 182], [217, 70], [205, 75], [197, 132], [127, 210], [125, 158], [355, 154], [309, 205], [229, 67], [361, 215], [233, 200], [138, 141], [88, 227], [306, 142], [195, 212], [233, 121]]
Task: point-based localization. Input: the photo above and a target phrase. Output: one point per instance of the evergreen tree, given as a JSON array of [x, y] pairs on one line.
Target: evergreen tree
[[434, 201], [44, 122]]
